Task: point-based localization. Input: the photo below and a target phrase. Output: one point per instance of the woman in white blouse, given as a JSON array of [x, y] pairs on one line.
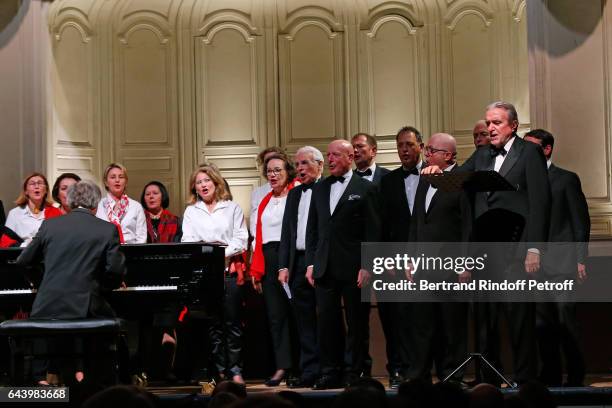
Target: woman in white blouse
[[212, 217], [33, 207], [264, 265], [118, 208]]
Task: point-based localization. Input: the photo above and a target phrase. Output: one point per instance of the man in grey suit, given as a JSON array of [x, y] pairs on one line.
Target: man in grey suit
[[81, 257]]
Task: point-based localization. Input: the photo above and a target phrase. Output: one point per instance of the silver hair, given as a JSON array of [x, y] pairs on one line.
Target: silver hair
[[84, 194], [316, 153], [508, 107]]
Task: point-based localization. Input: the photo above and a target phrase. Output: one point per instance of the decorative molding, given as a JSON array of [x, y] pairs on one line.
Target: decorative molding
[[454, 20], [307, 13], [158, 31], [226, 16], [518, 9], [405, 10], [381, 21], [83, 30], [210, 34], [296, 28]]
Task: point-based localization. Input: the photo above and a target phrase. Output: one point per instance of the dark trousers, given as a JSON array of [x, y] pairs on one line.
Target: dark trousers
[[388, 314], [225, 331], [521, 326], [438, 335], [558, 332], [305, 309], [331, 294], [278, 309]]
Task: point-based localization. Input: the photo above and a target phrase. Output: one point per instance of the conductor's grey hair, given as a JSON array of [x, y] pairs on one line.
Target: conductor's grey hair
[[84, 194]]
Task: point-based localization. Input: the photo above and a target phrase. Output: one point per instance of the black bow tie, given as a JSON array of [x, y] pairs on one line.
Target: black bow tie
[[414, 171], [306, 187], [333, 179], [495, 151], [367, 172]]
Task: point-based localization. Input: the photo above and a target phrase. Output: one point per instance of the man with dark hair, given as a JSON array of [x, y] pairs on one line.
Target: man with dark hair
[[343, 214], [523, 165], [366, 147], [398, 190], [569, 223]]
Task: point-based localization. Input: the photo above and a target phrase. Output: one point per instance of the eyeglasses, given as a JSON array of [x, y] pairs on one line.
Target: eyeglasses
[[35, 183], [433, 150], [275, 171]]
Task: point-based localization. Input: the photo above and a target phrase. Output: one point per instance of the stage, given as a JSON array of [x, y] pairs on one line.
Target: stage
[[597, 394]]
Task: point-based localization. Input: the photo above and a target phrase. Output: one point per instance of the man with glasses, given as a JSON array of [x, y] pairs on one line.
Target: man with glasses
[[439, 330]]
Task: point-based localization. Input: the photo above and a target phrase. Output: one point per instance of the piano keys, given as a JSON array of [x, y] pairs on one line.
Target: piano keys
[[156, 275]]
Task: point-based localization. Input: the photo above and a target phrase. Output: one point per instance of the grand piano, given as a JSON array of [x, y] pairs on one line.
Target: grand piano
[[157, 276]]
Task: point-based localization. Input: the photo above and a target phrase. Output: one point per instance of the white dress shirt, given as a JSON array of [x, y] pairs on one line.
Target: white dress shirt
[[256, 196], [24, 223], [371, 176], [225, 225], [410, 185], [272, 219], [432, 190], [302, 221], [499, 159], [133, 224], [337, 189]]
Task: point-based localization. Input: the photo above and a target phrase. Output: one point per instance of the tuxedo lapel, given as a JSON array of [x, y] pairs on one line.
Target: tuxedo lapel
[[512, 156], [325, 189], [349, 190]]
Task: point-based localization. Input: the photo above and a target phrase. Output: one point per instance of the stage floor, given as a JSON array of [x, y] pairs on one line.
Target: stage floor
[[598, 392]]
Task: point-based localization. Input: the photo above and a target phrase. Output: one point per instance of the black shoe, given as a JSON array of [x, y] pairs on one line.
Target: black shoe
[[271, 382], [300, 382], [395, 380], [326, 382]]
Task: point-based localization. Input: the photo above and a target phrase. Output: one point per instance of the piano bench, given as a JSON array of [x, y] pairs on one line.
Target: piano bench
[[28, 337]]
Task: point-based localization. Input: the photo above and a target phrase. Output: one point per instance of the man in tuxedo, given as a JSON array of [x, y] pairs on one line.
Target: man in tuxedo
[[292, 262], [481, 134], [523, 165], [570, 225], [366, 147], [81, 258], [397, 194], [343, 214], [439, 330]]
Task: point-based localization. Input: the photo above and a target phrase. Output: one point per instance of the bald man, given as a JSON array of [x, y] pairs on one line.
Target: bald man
[[439, 330], [343, 214], [481, 134]]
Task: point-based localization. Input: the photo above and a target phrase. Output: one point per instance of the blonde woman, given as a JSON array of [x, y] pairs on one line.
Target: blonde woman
[[118, 208], [213, 217]]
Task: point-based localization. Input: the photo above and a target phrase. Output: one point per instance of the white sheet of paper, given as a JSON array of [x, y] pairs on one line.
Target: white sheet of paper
[[287, 290]]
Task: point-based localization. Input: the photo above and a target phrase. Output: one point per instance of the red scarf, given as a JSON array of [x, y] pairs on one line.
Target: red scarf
[[258, 265], [115, 211], [166, 229]]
